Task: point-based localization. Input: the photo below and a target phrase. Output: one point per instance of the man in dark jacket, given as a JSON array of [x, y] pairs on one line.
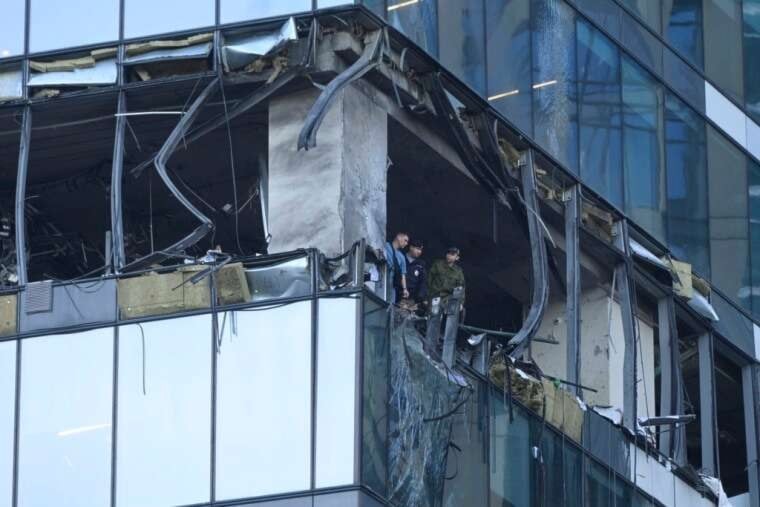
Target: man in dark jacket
[[416, 274]]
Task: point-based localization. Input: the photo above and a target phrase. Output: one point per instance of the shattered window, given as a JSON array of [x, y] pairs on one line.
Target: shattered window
[[12, 28], [164, 425], [57, 25], [243, 10], [147, 17], [7, 418], [263, 413], [65, 420], [68, 188], [10, 137]]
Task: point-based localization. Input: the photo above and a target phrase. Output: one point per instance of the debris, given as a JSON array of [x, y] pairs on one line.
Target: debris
[[145, 47], [716, 486], [240, 52], [701, 305], [613, 414]]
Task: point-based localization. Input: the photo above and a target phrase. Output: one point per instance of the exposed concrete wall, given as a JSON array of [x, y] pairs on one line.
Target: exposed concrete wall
[[602, 351], [333, 194]]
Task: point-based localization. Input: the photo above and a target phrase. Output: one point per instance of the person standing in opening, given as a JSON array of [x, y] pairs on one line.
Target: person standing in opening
[[445, 276], [416, 275], [396, 261]]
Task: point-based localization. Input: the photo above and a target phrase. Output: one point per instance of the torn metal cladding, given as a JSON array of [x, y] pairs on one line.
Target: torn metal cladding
[[539, 264], [171, 144], [117, 173], [573, 293], [370, 58], [240, 51], [21, 177]]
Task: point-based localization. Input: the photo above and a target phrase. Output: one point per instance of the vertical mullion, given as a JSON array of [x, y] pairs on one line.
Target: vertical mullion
[[16, 425], [114, 413], [21, 177], [314, 343], [214, 365]]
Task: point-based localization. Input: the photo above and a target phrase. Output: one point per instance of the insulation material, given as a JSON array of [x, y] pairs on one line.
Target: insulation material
[[11, 87], [232, 285], [163, 293], [146, 47], [563, 410], [240, 51], [682, 286], [524, 387], [102, 72], [8, 314], [422, 403]]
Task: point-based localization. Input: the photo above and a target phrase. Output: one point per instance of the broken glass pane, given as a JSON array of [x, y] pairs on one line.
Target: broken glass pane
[[291, 278]]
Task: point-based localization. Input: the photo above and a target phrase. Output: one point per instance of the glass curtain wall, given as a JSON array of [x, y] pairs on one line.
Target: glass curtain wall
[[55, 24], [7, 419], [752, 57], [723, 33], [12, 28], [682, 20], [599, 114], [146, 17], [418, 20], [754, 230], [462, 49]]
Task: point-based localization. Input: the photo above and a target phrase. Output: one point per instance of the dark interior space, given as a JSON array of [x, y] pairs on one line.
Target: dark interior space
[[434, 201], [732, 440], [202, 171], [689, 350], [10, 119], [68, 186]]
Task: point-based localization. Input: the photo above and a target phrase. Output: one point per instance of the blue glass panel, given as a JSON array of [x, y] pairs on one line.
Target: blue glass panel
[[684, 80], [555, 108], [606, 14], [508, 41], [147, 17], [605, 489], [684, 27], [686, 162], [642, 146], [648, 11], [56, 24], [376, 6], [417, 20], [729, 235], [599, 113], [723, 30], [754, 230], [563, 470], [243, 10], [12, 28], [512, 464], [752, 57], [65, 420], [642, 44], [462, 44]]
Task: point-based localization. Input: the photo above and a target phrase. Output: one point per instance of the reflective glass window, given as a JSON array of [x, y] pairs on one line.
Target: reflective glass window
[[601, 162], [648, 11], [686, 163], [462, 44], [563, 469], [55, 24], [752, 57], [7, 419], [644, 178], [509, 64], [376, 6], [12, 28], [555, 106], [336, 392], [754, 221], [65, 420], [147, 17], [164, 414], [729, 241], [263, 418], [605, 489], [605, 13], [723, 30], [417, 20], [467, 461], [512, 465], [684, 79], [243, 10], [683, 27], [375, 397], [642, 43]]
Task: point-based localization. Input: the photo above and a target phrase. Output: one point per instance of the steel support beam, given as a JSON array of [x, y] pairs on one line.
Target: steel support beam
[[627, 297], [117, 177], [21, 177], [749, 388], [707, 414], [573, 279]]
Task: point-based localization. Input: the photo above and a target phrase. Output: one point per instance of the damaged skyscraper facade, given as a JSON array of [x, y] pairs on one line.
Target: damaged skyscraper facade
[[194, 310]]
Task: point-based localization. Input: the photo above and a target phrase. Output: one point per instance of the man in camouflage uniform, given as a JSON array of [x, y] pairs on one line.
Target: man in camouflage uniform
[[445, 276]]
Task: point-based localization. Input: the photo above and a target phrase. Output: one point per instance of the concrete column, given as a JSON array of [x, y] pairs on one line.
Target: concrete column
[[334, 194]]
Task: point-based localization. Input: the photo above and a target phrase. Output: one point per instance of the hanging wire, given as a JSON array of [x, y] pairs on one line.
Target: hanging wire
[[232, 168]]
